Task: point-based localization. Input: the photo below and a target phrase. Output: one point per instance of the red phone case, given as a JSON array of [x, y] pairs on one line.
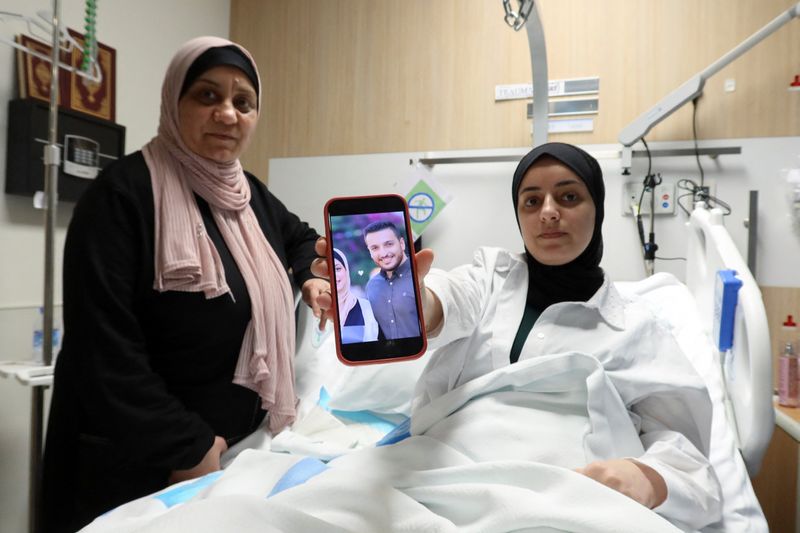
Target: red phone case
[[329, 258]]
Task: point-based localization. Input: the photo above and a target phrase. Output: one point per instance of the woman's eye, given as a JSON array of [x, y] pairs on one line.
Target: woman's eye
[[570, 197], [244, 105], [207, 96], [531, 202]]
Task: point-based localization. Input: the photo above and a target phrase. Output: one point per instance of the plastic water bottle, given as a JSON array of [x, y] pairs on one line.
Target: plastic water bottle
[[38, 338], [788, 393]]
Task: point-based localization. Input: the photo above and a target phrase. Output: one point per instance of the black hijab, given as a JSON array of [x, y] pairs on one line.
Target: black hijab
[[578, 280], [220, 55]]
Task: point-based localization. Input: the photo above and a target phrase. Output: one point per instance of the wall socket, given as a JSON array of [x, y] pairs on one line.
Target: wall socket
[[665, 198]]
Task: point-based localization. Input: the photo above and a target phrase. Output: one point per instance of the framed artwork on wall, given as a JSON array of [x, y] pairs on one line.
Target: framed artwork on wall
[[94, 98], [76, 92], [34, 72]]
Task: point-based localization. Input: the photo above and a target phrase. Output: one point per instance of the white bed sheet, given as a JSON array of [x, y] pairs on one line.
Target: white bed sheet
[[384, 393], [464, 469]]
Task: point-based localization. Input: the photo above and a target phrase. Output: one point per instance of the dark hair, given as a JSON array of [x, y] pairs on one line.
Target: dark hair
[[381, 225]]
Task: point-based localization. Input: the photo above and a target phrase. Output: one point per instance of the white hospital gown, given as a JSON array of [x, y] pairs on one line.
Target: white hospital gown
[[668, 402]]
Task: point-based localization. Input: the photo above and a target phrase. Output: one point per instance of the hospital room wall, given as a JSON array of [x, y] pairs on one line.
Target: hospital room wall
[[145, 34], [481, 214], [362, 77], [359, 76]]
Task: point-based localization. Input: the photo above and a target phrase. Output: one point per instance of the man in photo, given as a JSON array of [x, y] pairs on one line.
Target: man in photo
[[391, 291]]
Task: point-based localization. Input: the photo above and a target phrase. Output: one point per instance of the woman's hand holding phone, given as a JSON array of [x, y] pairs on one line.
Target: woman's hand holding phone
[[323, 305], [311, 291]]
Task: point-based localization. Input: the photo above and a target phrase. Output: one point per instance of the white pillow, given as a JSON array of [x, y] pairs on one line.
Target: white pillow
[[670, 300], [382, 388]]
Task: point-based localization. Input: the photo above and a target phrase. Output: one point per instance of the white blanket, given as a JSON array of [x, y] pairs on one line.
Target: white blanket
[[493, 455]]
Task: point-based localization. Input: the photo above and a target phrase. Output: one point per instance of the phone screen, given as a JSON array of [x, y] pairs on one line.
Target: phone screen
[[373, 280]]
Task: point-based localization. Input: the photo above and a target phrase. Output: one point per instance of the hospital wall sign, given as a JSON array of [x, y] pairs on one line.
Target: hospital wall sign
[[420, 207], [555, 88], [423, 206]]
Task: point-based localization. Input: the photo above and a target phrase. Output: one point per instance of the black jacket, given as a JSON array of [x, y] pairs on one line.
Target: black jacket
[[143, 382]]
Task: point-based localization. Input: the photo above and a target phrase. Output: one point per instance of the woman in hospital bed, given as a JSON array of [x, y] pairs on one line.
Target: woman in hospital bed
[[507, 307]]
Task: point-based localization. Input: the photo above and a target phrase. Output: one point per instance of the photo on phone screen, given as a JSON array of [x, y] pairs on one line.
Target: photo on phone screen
[[374, 276]]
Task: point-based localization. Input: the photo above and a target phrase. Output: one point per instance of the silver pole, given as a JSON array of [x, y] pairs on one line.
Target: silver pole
[[35, 482], [52, 160], [541, 92]]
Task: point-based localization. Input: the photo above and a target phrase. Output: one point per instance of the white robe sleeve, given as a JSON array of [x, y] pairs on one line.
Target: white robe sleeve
[[670, 404], [463, 293], [693, 491]]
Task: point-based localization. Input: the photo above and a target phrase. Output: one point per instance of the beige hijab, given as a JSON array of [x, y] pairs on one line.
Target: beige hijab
[[185, 256]]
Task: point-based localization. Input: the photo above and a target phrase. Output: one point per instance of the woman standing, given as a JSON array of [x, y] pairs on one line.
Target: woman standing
[[177, 300]]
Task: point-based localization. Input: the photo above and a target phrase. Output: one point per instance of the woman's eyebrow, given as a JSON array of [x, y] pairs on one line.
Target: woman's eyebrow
[[241, 88], [208, 81], [562, 183]]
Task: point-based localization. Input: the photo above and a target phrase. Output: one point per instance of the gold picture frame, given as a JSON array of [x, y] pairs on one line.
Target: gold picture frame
[[93, 98], [76, 92], [34, 72]]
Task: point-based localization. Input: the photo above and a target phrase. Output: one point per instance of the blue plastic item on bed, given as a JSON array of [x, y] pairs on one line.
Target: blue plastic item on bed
[[187, 491], [401, 432], [726, 296], [362, 417], [299, 473]]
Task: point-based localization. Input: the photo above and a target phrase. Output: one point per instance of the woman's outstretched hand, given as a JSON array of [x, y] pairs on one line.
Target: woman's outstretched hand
[[432, 308]]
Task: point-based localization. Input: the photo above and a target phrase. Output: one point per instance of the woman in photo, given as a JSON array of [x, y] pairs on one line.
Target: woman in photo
[[358, 321]]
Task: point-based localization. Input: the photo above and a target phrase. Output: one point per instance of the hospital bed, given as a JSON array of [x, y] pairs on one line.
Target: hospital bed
[[353, 424]]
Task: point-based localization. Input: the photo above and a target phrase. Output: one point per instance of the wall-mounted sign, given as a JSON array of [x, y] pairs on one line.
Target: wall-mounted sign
[[571, 87], [586, 106], [571, 125]]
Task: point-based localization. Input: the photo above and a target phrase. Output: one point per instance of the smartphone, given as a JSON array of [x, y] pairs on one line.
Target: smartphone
[[373, 274]]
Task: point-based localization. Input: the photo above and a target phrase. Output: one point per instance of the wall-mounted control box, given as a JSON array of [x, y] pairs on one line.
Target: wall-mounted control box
[[87, 145], [81, 156], [632, 192]]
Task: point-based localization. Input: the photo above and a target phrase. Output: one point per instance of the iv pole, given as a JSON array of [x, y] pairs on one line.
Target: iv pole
[[52, 161], [52, 158]]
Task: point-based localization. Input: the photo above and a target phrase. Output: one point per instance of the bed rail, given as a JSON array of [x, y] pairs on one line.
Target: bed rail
[[747, 369]]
